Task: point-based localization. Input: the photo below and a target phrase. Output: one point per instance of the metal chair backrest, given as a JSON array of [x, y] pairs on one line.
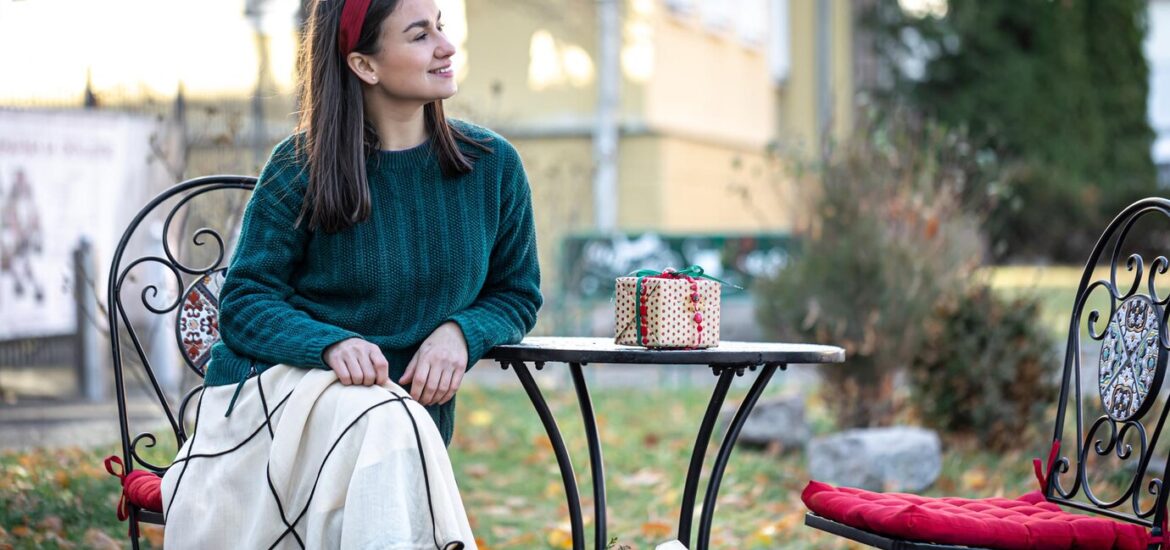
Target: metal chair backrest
[[1117, 461], [191, 265]]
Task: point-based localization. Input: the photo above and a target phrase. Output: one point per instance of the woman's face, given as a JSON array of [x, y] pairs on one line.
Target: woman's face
[[414, 62]]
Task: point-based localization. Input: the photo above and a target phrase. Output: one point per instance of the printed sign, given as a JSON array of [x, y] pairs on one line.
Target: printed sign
[[64, 175]]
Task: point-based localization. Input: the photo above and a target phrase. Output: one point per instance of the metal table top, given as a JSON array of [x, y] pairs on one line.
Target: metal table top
[[604, 350]]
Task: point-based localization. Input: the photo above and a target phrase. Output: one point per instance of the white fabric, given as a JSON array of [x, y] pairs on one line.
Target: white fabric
[[371, 491]]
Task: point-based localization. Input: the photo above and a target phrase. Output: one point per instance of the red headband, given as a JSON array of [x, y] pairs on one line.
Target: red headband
[[353, 15]]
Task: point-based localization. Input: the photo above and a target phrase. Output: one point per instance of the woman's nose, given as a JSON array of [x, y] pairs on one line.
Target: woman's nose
[[446, 48]]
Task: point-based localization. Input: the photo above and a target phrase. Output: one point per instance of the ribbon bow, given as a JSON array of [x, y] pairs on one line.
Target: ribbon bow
[[140, 487]]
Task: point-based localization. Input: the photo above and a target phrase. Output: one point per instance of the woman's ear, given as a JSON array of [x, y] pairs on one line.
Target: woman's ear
[[360, 65]]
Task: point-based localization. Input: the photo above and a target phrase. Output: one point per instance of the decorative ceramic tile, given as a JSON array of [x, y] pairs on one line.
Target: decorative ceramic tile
[[198, 320], [1132, 359]]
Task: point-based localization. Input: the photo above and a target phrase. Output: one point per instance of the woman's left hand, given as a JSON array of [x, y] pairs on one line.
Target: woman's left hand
[[436, 370]]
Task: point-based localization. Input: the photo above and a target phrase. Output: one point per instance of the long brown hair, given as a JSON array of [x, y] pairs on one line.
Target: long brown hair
[[336, 137]]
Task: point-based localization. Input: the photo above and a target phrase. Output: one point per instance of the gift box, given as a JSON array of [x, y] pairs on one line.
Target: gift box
[[668, 309]]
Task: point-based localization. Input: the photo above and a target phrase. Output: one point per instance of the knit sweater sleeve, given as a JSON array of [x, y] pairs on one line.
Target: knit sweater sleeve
[[256, 318], [505, 309]]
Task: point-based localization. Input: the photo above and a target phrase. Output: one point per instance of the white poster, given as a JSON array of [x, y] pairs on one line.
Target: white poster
[[64, 175]]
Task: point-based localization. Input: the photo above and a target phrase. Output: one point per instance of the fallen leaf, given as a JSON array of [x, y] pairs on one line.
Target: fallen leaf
[[553, 489], [522, 541], [498, 511], [477, 470], [480, 418], [516, 501], [642, 478], [21, 531], [98, 540], [656, 530], [560, 537], [52, 524], [154, 534], [974, 480]]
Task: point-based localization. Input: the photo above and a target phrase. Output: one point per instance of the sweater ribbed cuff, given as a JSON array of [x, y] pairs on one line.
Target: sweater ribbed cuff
[[315, 347], [473, 334]]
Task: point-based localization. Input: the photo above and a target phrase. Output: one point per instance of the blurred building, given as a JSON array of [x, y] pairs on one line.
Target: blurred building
[[711, 92]]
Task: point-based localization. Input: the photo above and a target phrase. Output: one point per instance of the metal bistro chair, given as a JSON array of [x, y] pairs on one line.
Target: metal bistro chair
[[1108, 455], [194, 263]]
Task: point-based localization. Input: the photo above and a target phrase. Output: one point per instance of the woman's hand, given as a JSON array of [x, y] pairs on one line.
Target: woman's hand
[[357, 361], [436, 370]]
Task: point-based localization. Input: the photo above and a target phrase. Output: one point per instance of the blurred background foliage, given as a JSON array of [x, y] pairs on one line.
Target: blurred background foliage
[[1055, 91], [999, 132]]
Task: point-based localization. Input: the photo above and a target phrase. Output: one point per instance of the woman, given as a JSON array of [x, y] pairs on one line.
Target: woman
[[383, 245]]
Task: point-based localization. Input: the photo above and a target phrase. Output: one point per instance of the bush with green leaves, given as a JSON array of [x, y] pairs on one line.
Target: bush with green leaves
[[987, 368], [889, 241]]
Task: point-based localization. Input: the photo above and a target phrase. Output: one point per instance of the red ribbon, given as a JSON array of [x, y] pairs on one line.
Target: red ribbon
[[1042, 476], [353, 16], [139, 487]]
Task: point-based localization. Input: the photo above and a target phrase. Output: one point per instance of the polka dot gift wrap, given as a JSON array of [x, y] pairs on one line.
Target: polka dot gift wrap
[[667, 311]]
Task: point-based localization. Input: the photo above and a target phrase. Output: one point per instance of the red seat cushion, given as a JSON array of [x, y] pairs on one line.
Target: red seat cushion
[[1025, 522]]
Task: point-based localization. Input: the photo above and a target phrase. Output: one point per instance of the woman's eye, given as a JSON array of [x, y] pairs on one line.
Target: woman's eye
[[420, 37]]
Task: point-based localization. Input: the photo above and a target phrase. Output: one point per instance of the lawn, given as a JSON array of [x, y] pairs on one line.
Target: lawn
[[1056, 287], [512, 489]]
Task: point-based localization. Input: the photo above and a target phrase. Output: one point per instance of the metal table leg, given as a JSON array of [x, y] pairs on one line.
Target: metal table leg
[[558, 444], [596, 464], [687, 512], [725, 448]]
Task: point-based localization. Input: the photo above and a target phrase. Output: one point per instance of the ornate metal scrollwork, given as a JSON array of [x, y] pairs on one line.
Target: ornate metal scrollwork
[[1130, 373], [196, 325]]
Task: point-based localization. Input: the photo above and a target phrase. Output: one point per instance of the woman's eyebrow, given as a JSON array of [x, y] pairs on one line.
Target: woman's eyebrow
[[422, 23]]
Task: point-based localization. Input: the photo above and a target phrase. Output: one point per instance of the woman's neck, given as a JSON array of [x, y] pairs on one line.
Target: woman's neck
[[398, 127]]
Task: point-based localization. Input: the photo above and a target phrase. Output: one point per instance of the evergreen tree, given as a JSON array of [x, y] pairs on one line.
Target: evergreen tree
[[1120, 77], [1056, 90]]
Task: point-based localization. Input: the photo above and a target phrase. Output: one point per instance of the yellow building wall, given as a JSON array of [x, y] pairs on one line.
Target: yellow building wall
[[799, 125], [549, 88], [699, 112], [719, 189], [641, 195], [708, 85]]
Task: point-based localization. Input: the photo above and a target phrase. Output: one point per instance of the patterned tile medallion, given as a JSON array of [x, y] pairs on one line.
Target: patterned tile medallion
[[1132, 359], [198, 320]]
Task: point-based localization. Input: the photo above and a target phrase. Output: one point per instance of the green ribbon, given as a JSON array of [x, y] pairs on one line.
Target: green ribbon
[[690, 271], [693, 271]]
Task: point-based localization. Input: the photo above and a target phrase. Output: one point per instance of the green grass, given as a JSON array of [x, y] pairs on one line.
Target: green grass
[[1056, 288], [510, 483]]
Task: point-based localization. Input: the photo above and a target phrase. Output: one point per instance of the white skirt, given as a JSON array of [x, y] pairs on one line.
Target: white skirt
[[334, 467]]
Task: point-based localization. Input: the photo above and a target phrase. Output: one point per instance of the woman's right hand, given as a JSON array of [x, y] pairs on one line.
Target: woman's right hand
[[357, 361]]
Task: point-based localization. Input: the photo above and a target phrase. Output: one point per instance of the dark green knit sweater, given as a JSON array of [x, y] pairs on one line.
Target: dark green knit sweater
[[433, 250]]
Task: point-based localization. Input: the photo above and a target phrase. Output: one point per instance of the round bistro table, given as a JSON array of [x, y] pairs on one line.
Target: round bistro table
[[728, 360]]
